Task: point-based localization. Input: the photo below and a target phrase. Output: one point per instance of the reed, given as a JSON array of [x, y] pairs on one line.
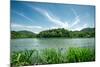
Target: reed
[[52, 56]]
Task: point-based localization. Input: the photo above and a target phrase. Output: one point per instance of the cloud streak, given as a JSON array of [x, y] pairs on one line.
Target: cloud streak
[[22, 15], [24, 26], [58, 22], [77, 19], [52, 18], [18, 27], [81, 27]]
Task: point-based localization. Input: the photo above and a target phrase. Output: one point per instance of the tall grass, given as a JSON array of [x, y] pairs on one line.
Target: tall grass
[[51, 56], [80, 55], [22, 57]]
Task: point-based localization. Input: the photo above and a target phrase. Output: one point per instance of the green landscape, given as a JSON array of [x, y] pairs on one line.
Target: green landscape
[[61, 32], [51, 33], [53, 55]]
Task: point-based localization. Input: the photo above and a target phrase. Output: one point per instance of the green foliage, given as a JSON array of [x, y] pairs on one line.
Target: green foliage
[[51, 56]]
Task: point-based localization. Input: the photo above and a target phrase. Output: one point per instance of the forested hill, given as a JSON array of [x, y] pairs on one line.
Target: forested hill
[[85, 33], [22, 34], [88, 30], [60, 32]]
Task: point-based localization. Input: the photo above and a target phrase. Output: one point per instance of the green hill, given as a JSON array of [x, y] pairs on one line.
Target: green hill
[[22, 34], [86, 33], [60, 32], [88, 30]]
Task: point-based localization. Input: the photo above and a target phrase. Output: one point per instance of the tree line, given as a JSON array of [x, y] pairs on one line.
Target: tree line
[[60, 32]]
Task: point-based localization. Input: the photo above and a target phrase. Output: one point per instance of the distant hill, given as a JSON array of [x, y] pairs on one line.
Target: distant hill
[[22, 34], [26, 32], [86, 33], [88, 30]]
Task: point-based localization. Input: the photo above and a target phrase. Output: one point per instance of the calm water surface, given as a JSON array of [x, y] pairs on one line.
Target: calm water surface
[[40, 43]]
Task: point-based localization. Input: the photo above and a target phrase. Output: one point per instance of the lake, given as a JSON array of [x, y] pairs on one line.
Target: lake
[[41, 43]]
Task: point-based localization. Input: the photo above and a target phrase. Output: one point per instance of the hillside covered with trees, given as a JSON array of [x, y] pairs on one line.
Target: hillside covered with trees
[[60, 32]]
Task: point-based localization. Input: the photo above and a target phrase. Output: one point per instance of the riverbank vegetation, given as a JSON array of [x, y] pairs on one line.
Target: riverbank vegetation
[[52, 56], [60, 32]]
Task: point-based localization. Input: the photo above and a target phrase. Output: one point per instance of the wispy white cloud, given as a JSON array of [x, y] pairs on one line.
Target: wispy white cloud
[[59, 23], [81, 27], [52, 18], [75, 13], [24, 26], [21, 14], [18, 27], [77, 19]]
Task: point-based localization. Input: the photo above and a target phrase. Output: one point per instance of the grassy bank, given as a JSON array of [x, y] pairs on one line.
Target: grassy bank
[[52, 56]]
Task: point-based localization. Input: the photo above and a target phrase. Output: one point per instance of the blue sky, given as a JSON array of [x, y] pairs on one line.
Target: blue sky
[[36, 17]]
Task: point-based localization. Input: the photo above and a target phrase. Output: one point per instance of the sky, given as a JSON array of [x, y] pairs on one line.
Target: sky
[[36, 16]]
